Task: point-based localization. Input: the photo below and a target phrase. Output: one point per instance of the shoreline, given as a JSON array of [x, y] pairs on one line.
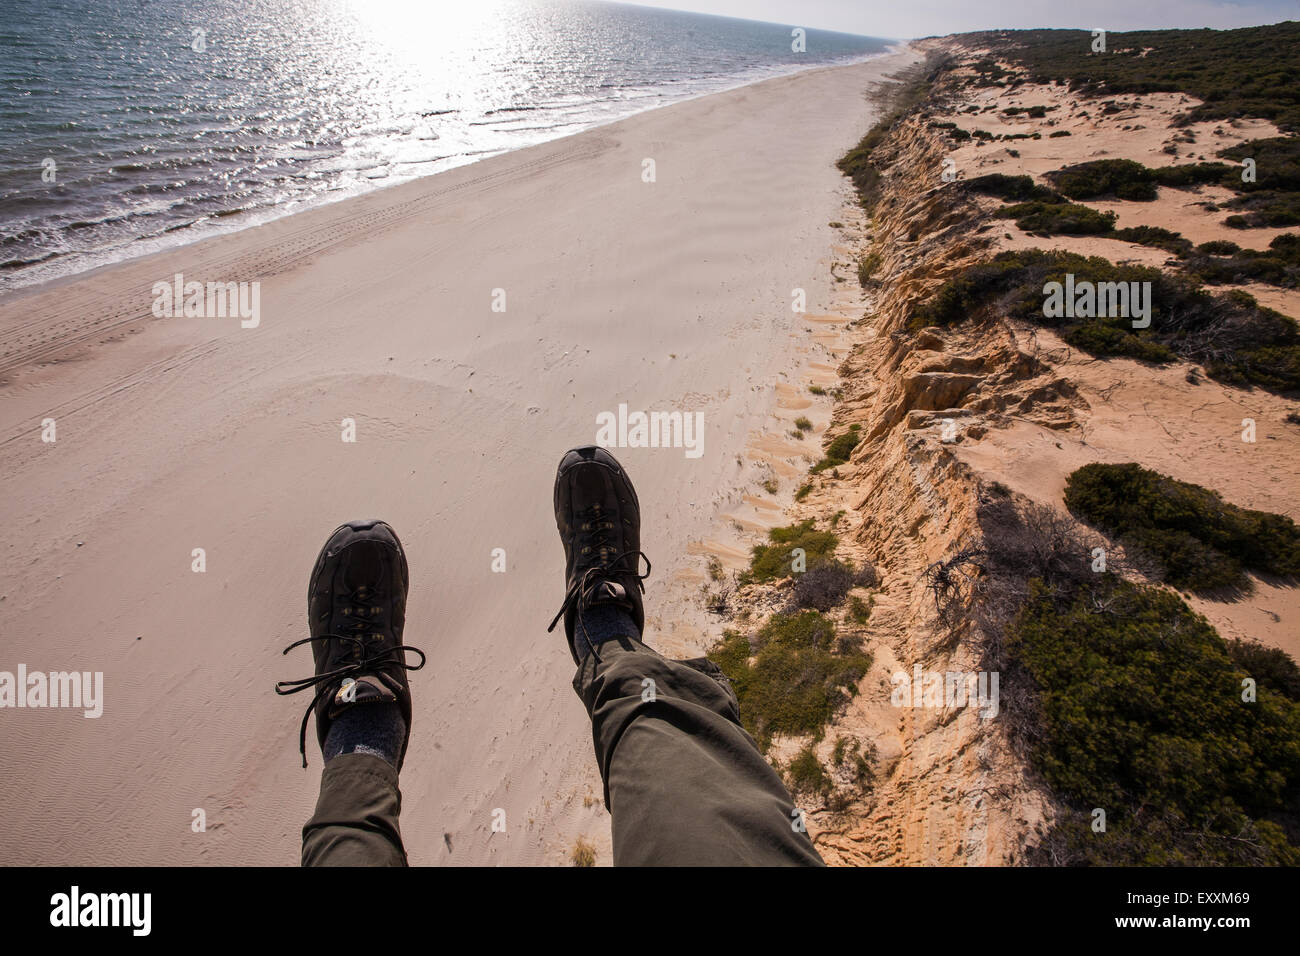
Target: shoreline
[[269, 216]]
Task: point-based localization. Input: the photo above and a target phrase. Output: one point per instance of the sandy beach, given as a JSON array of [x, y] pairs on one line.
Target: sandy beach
[[175, 434]]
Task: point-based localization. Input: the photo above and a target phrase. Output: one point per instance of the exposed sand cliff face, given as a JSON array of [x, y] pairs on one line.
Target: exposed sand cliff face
[[946, 411], [948, 789]]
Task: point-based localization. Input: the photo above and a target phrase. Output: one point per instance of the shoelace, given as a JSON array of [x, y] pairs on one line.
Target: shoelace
[[580, 591], [596, 529], [361, 664]]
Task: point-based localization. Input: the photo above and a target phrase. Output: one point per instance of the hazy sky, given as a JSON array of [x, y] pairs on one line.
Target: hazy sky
[[916, 18]]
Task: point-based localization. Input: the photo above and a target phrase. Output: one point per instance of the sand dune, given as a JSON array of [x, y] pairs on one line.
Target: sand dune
[[182, 433]]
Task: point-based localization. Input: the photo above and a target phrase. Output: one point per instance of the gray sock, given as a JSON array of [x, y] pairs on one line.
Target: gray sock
[[376, 729], [601, 623]]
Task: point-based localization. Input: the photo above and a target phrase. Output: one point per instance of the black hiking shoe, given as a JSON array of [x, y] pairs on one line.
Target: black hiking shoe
[[356, 608], [599, 519]]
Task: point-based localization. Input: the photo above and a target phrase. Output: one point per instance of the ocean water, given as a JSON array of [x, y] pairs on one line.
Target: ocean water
[[127, 126]]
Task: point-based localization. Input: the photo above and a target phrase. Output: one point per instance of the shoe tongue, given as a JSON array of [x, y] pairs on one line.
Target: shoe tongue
[[366, 689], [608, 591]]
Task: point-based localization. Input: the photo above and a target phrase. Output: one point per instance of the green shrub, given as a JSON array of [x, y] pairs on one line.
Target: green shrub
[[806, 775], [843, 445], [1019, 188], [858, 163], [989, 72], [1271, 667], [1266, 208], [1194, 174], [1057, 218], [799, 676], [848, 755], [731, 653], [1034, 112], [1223, 262], [771, 561], [1142, 716], [1105, 179], [1218, 247], [1201, 542], [867, 266], [1273, 199], [839, 450], [1126, 700], [1155, 236], [1277, 165], [1237, 340], [1099, 337]]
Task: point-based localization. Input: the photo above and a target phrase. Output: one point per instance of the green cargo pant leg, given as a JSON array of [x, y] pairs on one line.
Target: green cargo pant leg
[[355, 823], [685, 785]]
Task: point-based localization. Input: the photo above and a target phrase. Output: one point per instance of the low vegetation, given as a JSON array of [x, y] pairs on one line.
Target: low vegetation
[[1124, 700], [1127, 179], [792, 675], [1273, 201], [806, 775], [1145, 720], [1232, 336], [839, 450], [1272, 667], [583, 853], [1244, 72], [859, 164], [867, 266], [1059, 218], [1129, 703], [1198, 541], [1011, 188], [823, 586], [1271, 198], [773, 560], [1278, 265]]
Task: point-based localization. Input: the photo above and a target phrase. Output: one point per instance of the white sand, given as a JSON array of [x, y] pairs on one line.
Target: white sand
[[175, 434]]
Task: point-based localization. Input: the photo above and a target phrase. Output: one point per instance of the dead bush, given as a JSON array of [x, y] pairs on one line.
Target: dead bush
[[823, 586]]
